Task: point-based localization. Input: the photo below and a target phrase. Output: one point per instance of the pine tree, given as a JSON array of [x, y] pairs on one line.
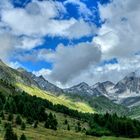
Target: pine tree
[[47, 125], [2, 115], [10, 105], [23, 137], [15, 136], [78, 127], [1, 104], [23, 126], [35, 124], [9, 134], [10, 117], [66, 121], [68, 127], [18, 120]]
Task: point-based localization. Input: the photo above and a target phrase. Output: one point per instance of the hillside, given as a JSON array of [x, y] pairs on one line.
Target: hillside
[[42, 133], [62, 99]]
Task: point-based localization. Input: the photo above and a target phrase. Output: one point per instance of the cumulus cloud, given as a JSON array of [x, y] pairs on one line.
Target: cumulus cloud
[[12, 46], [43, 71], [70, 61], [28, 43], [7, 45], [39, 19], [119, 35], [111, 72]]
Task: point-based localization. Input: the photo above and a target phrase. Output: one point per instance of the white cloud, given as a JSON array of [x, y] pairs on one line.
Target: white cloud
[[70, 61], [28, 43], [43, 71], [7, 44], [37, 19], [111, 72], [14, 65], [119, 35]]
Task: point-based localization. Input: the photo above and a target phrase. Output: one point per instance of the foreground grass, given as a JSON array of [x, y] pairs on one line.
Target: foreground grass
[[41, 133], [80, 106], [47, 134], [117, 138]]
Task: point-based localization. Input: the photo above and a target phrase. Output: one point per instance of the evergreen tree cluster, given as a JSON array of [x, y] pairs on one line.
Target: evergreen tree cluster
[[10, 135], [113, 125], [51, 122]]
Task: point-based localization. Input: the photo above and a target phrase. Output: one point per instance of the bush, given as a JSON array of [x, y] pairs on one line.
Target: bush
[[98, 132]]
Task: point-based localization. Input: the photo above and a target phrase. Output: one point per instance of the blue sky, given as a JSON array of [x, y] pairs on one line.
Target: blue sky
[[70, 41], [52, 42]]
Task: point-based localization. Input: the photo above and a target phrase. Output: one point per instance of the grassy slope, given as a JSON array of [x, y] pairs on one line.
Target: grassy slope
[[41, 133], [80, 106]]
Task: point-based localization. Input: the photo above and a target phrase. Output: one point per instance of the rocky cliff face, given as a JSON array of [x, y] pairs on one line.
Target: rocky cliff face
[[126, 91], [80, 89]]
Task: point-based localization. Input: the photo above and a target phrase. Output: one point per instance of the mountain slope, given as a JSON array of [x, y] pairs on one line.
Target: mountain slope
[[41, 82], [34, 91], [102, 104], [127, 90], [38, 86], [82, 89]]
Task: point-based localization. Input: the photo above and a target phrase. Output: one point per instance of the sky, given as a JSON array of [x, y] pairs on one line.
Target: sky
[[71, 41]]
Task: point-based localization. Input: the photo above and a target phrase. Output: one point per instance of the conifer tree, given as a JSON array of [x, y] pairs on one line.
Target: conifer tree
[[23, 137], [18, 120], [23, 126]]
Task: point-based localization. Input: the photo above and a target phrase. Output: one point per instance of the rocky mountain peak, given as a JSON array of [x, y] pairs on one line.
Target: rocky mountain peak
[[82, 85], [108, 83]]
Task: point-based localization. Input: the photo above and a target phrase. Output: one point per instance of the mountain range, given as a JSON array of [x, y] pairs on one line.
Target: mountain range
[[125, 92], [122, 97]]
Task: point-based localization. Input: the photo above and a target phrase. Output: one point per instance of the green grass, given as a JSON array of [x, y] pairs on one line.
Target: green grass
[[117, 138], [80, 106], [71, 121], [41, 133]]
